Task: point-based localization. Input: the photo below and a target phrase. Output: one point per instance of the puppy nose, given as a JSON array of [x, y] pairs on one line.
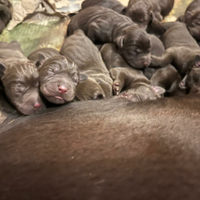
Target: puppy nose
[[37, 105], [145, 63], [62, 89]]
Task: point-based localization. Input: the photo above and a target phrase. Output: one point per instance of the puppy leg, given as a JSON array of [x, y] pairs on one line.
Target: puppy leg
[[164, 60], [107, 88], [118, 80]]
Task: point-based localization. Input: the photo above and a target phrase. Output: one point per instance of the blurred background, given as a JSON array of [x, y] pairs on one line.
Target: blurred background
[[43, 23]]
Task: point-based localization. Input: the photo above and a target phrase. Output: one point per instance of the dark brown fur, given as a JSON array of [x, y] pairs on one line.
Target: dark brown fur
[[40, 55], [145, 12], [192, 19], [135, 85], [105, 25], [112, 4], [20, 79], [182, 51], [83, 52], [110, 149], [6, 10]]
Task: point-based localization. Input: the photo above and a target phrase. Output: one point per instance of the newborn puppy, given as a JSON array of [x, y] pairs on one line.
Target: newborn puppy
[[182, 51], [143, 12], [135, 85], [97, 83], [20, 79], [40, 55], [112, 4], [105, 25], [5, 13], [192, 19], [59, 78]]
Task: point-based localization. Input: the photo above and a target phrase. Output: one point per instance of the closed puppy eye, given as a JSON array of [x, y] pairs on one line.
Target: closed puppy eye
[[18, 88], [138, 51]]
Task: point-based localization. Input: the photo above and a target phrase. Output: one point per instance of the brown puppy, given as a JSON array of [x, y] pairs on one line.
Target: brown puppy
[[192, 19], [80, 49], [106, 150], [59, 78], [143, 12], [105, 25], [183, 52], [135, 85], [20, 79], [112, 4], [5, 13], [40, 55]]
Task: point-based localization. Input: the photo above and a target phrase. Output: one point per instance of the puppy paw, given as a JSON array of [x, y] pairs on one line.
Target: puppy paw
[[116, 87]]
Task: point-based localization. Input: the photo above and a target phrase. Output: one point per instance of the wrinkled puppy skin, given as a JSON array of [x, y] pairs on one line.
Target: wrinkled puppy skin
[[105, 25], [112, 4], [95, 80], [192, 19], [148, 13], [6, 10], [20, 79], [40, 55], [132, 83], [182, 51], [59, 78]]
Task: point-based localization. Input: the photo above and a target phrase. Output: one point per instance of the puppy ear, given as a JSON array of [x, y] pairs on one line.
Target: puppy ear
[[41, 59], [2, 69], [182, 83], [188, 15], [83, 77], [196, 63], [124, 11], [120, 41], [159, 90]]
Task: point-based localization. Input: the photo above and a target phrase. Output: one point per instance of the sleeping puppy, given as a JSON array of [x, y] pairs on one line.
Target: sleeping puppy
[[105, 25], [192, 19], [145, 12], [40, 55], [5, 13], [135, 86], [112, 4], [20, 79], [97, 83], [183, 52], [59, 78]]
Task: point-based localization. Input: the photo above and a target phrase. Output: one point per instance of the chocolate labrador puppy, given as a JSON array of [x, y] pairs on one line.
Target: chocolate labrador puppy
[[97, 83], [105, 25], [106, 150], [143, 12], [112, 4], [20, 79], [59, 78], [135, 85], [5, 13], [192, 19], [40, 55], [183, 52]]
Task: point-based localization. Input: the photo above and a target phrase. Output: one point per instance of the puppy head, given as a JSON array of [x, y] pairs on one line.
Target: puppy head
[[21, 84], [89, 89], [58, 79], [143, 92], [134, 46], [192, 20], [140, 13], [191, 82]]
